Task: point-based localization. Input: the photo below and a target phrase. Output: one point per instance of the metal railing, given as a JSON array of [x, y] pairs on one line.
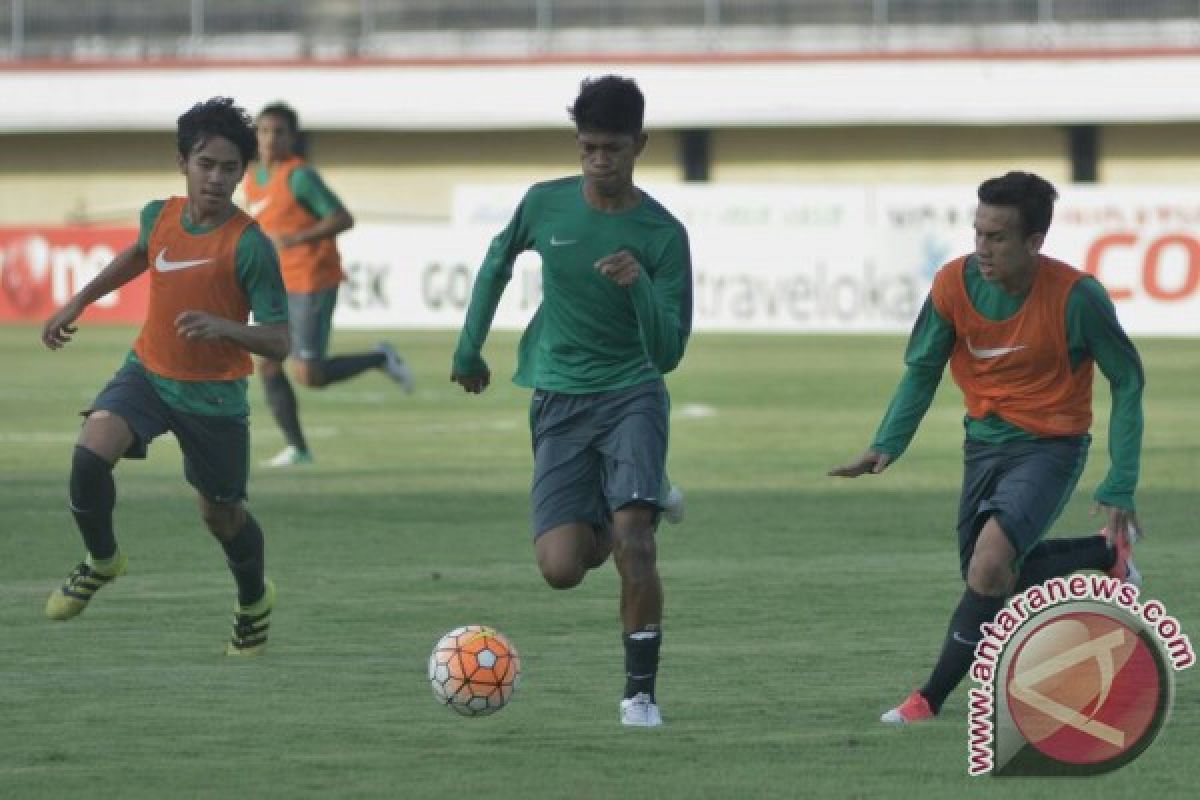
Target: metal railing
[[175, 28]]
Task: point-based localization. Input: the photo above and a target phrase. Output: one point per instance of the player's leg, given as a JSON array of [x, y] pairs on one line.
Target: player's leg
[[566, 552], [982, 470], [571, 528], [216, 452], [281, 397], [241, 538], [315, 369], [1053, 558], [1012, 494], [635, 555], [123, 419], [634, 446]]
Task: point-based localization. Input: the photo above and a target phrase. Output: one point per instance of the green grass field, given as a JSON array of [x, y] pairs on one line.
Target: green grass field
[[798, 607]]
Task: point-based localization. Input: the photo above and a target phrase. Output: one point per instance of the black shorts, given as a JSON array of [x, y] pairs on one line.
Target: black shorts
[[1023, 484], [216, 449], [597, 453], [310, 323]]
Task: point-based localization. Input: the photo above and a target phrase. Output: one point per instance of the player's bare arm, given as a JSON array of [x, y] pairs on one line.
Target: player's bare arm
[[269, 341], [127, 265], [327, 228], [621, 268], [869, 463]]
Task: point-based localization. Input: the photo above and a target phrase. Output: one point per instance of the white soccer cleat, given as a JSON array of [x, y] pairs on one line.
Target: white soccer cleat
[[640, 711], [673, 508], [290, 456], [396, 368]]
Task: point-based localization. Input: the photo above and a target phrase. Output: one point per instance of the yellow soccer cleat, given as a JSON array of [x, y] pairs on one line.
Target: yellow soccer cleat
[[70, 599], [250, 624]]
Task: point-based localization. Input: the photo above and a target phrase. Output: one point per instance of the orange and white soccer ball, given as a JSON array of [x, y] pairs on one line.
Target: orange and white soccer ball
[[474, 670]]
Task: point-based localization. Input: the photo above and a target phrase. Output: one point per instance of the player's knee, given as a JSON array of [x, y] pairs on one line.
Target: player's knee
[[634, 552], [990, 575], [269, 369], [309, 374], [561, 574], [223, 520]]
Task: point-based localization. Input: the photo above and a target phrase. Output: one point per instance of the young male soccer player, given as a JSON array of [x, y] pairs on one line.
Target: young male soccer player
[[210, 267], [1021, 332], [615, 316], [303, 217]]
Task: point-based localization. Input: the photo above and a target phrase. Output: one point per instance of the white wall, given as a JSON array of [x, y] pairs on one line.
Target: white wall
[[694, 92]]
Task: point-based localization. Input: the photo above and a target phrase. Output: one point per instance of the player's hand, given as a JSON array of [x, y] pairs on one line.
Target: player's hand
[[58, 330], [621, 268], [1120, 520], [473, 383], [200, 326], [869, 463], [284, 241]]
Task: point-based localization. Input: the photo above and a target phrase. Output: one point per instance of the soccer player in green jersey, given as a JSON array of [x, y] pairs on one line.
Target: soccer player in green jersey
[[210, 266], [615, 317], [1021, 332], [303, 217]]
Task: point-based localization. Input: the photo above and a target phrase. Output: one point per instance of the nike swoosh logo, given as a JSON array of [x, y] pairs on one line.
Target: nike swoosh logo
[[958, 637], [555, 242], [992, 352], [258, 206], [163, 265]]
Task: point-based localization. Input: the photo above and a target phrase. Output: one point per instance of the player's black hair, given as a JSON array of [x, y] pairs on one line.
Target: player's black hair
[[609, 104], [217, 116], [1033, 197], [284, 112]]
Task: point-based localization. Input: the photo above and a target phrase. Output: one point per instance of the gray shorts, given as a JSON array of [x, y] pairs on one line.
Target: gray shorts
[[1023, 484], [310, 321], [594, 454], [216, 449]]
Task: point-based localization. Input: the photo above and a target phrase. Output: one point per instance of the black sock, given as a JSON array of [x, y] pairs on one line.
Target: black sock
[[93, 496], [340, 368], [246, 560], [1055, 558], [959, 649], [282, 400], [641, 660]]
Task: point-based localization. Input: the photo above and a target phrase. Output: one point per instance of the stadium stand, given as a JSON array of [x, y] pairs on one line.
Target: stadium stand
[[280, 29]]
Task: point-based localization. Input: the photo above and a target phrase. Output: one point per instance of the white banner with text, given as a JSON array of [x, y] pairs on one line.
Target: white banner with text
[[797, 258]]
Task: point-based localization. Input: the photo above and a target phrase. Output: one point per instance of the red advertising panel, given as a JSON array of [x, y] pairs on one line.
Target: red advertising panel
[[41, 267]]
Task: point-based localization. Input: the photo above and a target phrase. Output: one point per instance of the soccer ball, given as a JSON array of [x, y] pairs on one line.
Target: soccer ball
[[474, 670]]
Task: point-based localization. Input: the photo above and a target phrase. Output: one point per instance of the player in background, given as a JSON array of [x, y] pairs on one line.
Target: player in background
[[303, 218], [210, 267], [615, 317], [1021, 332]]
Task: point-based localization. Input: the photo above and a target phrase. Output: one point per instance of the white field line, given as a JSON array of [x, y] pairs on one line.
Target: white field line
[[686, 411]]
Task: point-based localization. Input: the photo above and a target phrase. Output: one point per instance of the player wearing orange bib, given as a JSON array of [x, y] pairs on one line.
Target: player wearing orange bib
[[292, 204], [210, 267], [1021, 333]]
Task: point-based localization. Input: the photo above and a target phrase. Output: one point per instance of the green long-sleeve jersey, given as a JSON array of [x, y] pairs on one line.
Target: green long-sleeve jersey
[[1092, 332], [589, 334]]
